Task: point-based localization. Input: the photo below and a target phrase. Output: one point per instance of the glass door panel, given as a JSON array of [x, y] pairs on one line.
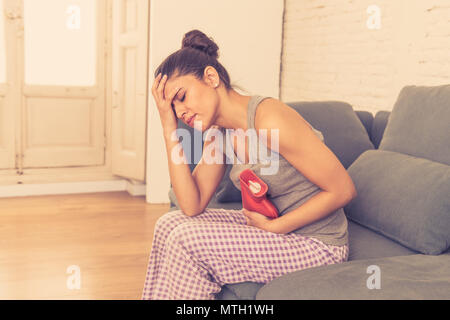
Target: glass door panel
[[60, 39]]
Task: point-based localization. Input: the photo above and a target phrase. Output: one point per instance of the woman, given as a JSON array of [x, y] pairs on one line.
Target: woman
[[196, 250]]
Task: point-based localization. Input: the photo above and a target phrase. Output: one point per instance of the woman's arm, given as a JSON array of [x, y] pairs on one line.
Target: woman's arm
[[317, 207], [193, 190], [299, 145], [183, 184]]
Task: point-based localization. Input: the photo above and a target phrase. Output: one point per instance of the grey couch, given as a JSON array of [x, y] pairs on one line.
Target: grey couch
[[399, 225]]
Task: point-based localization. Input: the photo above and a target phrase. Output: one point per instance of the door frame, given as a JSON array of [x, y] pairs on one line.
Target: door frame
[[8, 88]]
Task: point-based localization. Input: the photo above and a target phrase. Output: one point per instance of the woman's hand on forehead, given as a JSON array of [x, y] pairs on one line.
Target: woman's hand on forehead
[[169, 87]]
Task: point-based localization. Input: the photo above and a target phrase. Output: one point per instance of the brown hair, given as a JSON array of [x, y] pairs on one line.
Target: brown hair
[[197, 52]]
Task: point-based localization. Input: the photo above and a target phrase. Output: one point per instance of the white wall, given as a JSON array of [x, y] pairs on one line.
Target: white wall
[[330, 53], [249, 36]]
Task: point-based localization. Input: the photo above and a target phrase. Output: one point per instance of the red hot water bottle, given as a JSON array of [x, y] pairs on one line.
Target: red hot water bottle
[[254, 198]]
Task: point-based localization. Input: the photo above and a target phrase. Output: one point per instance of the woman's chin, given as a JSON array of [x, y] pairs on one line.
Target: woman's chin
[[201, 126]]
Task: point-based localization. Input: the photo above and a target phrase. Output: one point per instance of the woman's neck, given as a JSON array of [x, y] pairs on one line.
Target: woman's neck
[[232, 110]]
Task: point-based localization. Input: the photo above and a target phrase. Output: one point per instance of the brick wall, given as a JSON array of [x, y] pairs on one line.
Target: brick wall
[[331, 53]]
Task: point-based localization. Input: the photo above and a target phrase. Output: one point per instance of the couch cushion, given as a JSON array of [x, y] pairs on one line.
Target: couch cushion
[[378, 126], [342, 129], [228, 205], [403, 277], [226, 191], [404, 198], [367, 244], [419, 123], [193, 150], [239, 291], [227, 294], [366, 119]]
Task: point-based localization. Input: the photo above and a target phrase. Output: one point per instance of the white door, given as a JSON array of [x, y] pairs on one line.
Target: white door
[[130, 56], [61, 55]]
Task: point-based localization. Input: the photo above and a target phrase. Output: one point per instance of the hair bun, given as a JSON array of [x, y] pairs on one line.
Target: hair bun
[[198, 40]]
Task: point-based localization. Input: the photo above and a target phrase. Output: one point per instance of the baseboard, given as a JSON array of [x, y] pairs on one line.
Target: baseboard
[[136, 188], [25, 190]]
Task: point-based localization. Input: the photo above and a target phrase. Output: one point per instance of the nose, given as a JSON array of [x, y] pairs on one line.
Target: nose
[[180, 110], [181, 114]]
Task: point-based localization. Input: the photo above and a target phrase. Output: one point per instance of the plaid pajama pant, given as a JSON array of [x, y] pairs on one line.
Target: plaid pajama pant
[[193, 257]]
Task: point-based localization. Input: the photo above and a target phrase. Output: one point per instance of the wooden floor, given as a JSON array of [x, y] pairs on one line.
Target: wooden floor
[[106, 235]]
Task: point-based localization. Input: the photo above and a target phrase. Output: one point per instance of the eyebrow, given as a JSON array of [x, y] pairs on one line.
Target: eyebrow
[[177, 96]]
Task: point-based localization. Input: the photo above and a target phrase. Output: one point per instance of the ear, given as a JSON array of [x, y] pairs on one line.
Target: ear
[[211, 77]]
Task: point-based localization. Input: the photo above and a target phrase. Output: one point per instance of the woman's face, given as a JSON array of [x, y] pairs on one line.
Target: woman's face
[[195, 102]]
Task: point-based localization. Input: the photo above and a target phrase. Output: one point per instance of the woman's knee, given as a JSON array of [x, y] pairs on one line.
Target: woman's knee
[[183, 234], [169, 221]]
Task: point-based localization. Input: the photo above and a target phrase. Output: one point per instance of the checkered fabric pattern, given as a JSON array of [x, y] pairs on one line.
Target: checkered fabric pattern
[[193, 257]]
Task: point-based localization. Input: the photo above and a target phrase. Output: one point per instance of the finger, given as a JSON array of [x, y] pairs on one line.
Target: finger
[[156, 83], [161, 86]]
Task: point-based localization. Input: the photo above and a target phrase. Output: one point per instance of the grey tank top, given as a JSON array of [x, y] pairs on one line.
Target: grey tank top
[[288, 188]]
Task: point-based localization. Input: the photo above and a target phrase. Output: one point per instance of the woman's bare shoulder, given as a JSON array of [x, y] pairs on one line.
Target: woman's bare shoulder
[[273, 113]]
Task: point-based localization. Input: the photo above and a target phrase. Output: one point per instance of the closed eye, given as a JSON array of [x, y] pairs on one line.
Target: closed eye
[[181, 100]]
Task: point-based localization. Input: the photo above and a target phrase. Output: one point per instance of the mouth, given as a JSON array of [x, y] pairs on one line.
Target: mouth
[[191, 120]]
